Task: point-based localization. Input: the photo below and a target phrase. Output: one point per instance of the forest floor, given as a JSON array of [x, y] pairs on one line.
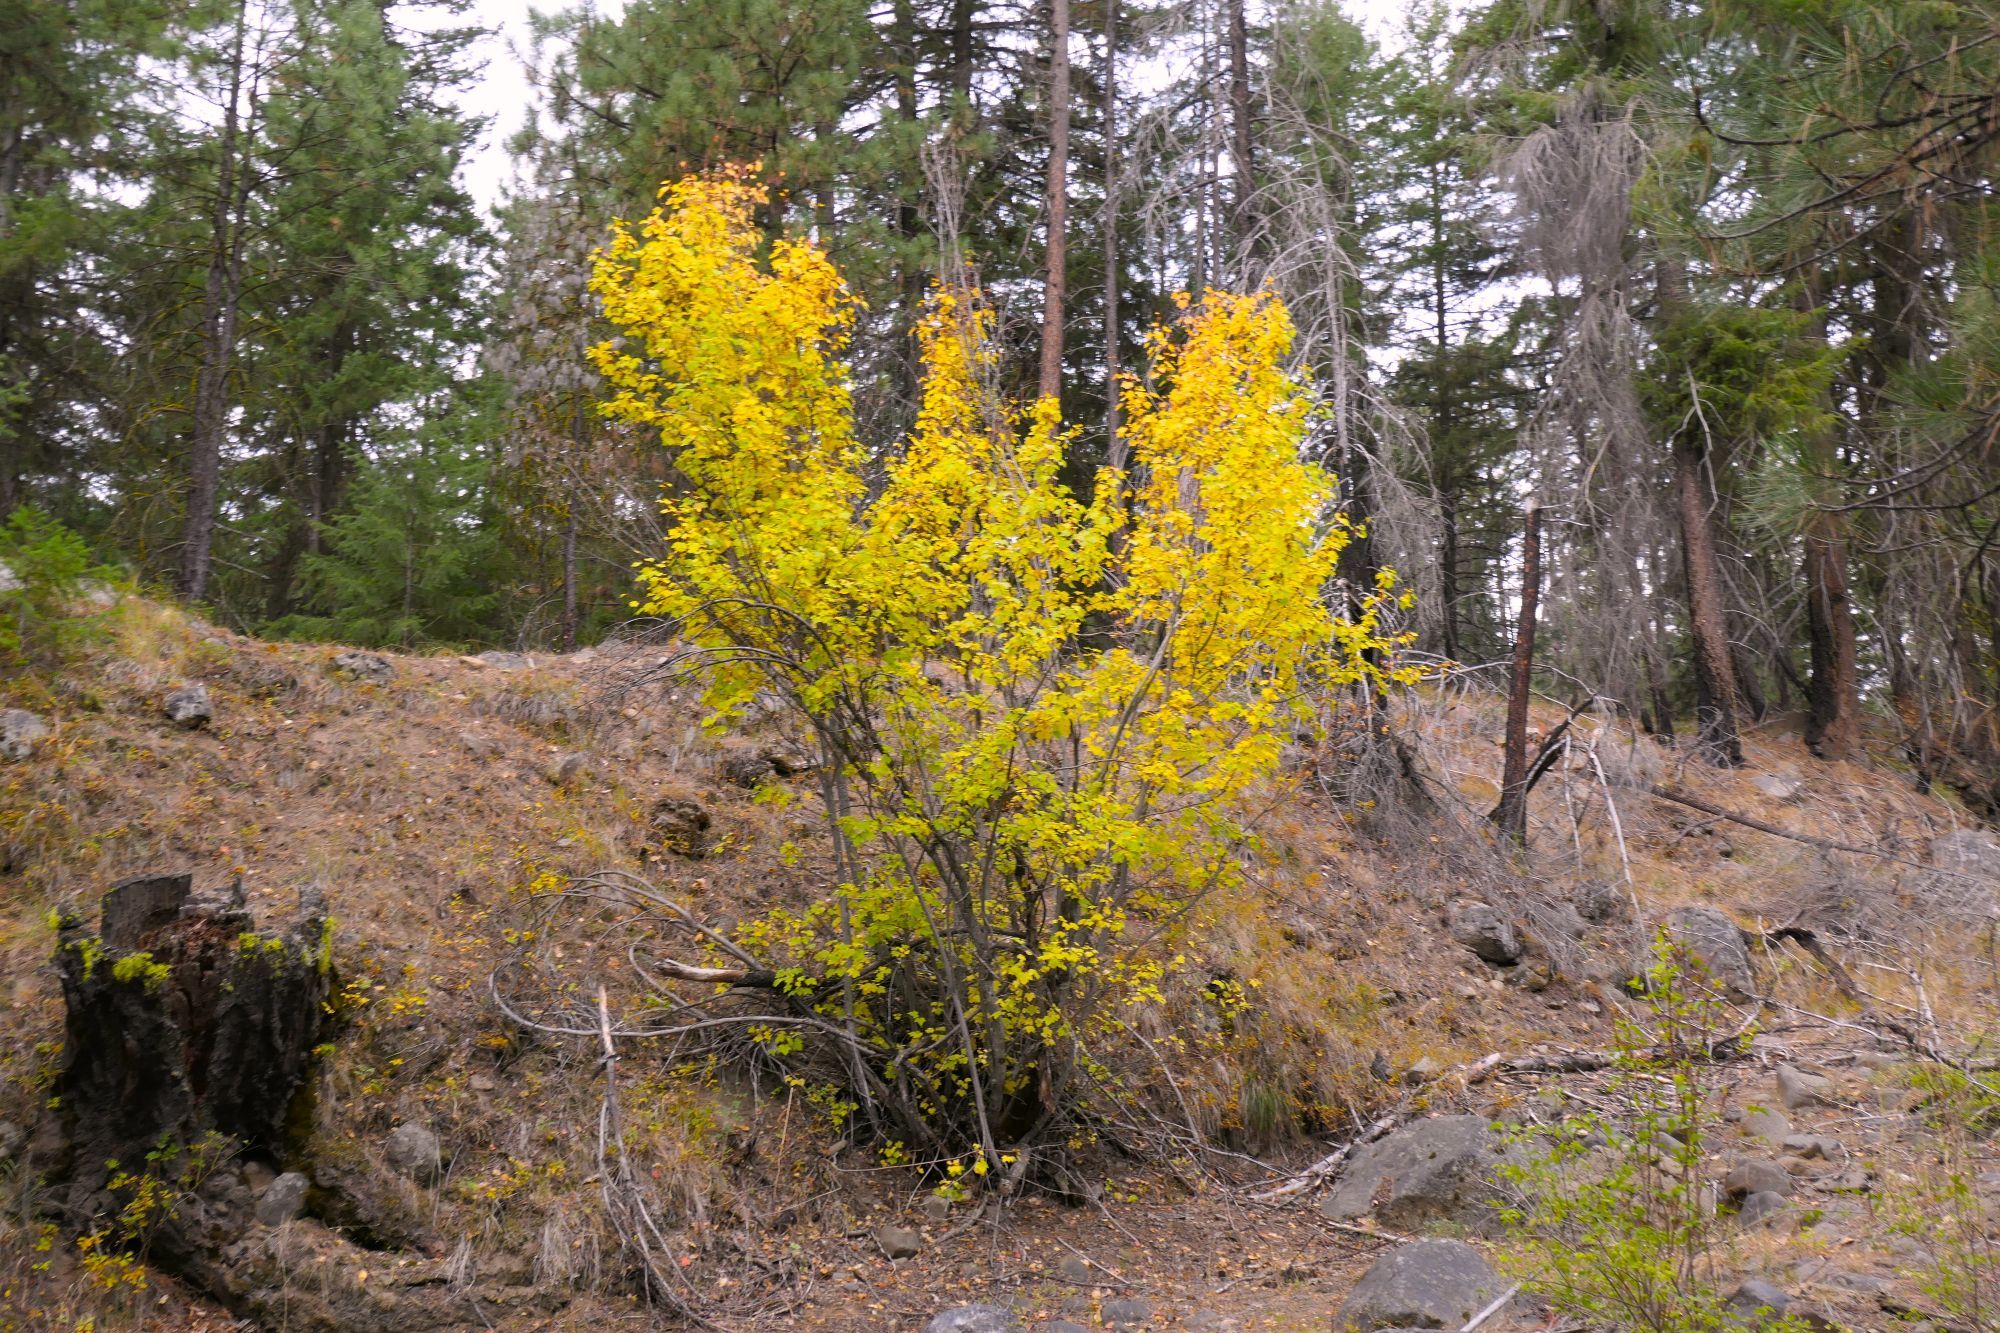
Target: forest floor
[[430, 803]]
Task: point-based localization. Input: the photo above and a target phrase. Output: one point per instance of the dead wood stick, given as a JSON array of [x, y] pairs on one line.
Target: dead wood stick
[[1474, 1071], [1328, 1164], [1372, 1233], [762, 978], [1499, 1303], [1679, 797], [1552, 745], [1809, 941]]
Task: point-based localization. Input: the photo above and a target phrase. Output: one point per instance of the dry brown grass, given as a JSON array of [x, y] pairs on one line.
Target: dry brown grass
[[426, 809]]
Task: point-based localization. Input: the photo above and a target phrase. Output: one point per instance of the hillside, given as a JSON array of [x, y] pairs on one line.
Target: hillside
[[432, 799]]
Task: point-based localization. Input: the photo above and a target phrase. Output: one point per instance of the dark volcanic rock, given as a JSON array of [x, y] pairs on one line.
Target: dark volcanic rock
[[682, 826]]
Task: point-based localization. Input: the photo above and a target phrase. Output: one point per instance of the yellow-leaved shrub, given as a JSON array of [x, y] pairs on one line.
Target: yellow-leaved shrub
[[1037, 714]]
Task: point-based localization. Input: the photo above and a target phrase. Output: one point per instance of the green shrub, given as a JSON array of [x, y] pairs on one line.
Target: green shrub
[[1940, 1207], [43, 569], [1614, 1225]]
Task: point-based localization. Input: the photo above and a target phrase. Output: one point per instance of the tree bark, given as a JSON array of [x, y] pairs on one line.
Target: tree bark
[[181, 1019], [1833, 720], [1055, 272], [1114, 452], [569, 578], [1716, 701], [961, 43], [1240, 142], [1510, 816], [221, 291]]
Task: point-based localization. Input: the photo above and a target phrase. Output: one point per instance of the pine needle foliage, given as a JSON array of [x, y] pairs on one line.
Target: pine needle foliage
[[1037, 715]]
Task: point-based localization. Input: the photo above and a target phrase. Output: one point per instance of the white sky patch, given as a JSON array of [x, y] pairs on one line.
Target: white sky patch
[[503, 92]]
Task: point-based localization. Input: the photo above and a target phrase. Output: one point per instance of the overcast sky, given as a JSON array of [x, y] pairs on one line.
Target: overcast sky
[[503, 92]]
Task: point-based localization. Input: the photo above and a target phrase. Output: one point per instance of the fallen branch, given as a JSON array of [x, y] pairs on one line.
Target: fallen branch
[[1472, 1072], [1679, 797], [1809, 941], [759, 977], [1499, 1304], [1328, 1164]]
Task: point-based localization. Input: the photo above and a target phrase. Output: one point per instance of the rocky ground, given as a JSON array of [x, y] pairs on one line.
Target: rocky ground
[[1421, 998]]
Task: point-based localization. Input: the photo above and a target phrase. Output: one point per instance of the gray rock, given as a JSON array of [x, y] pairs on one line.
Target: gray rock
[[504, 661], [1814, 1146], [364, 667], [1750, 1176], [1482, 929], [1798, 1090], [1850, 1179], [898, 1242], [20, 730], [283, 1199], [1422, 1071], [1600, 900], [1865, 1283], [1125, 1314], [935, 1209], [1427, 1284], [1770, 1126], [1762, 1207], [1755, 1298], [974, 1319], [412, 1151], [188, 706], [1714, 941], [1779, 786], [1074, 1269], [1967, 851], [1434, 1170], [568, 770]]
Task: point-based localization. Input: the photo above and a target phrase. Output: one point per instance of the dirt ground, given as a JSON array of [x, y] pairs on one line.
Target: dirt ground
[[429, 805]]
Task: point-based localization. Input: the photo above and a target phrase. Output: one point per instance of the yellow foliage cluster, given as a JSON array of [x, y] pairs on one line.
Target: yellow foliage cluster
[[1037, 712]]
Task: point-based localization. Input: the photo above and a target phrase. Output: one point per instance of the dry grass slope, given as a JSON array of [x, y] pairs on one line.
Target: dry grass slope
[[430, 806]]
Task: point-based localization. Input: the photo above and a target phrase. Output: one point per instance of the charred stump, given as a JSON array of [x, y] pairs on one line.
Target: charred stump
[[184, 1023]]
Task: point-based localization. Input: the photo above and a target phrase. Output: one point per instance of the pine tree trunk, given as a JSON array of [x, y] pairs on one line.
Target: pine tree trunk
[[1716, 701], [1448, 573], [221, 291], [961, 42], [1114, 454], [1240, 142], [1833, 690], [1510, 816], [1833, 722], [1055, 273], [569, 580]]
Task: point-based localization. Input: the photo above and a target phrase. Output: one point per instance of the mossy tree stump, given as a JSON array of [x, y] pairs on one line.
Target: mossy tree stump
[[183, 1023]]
